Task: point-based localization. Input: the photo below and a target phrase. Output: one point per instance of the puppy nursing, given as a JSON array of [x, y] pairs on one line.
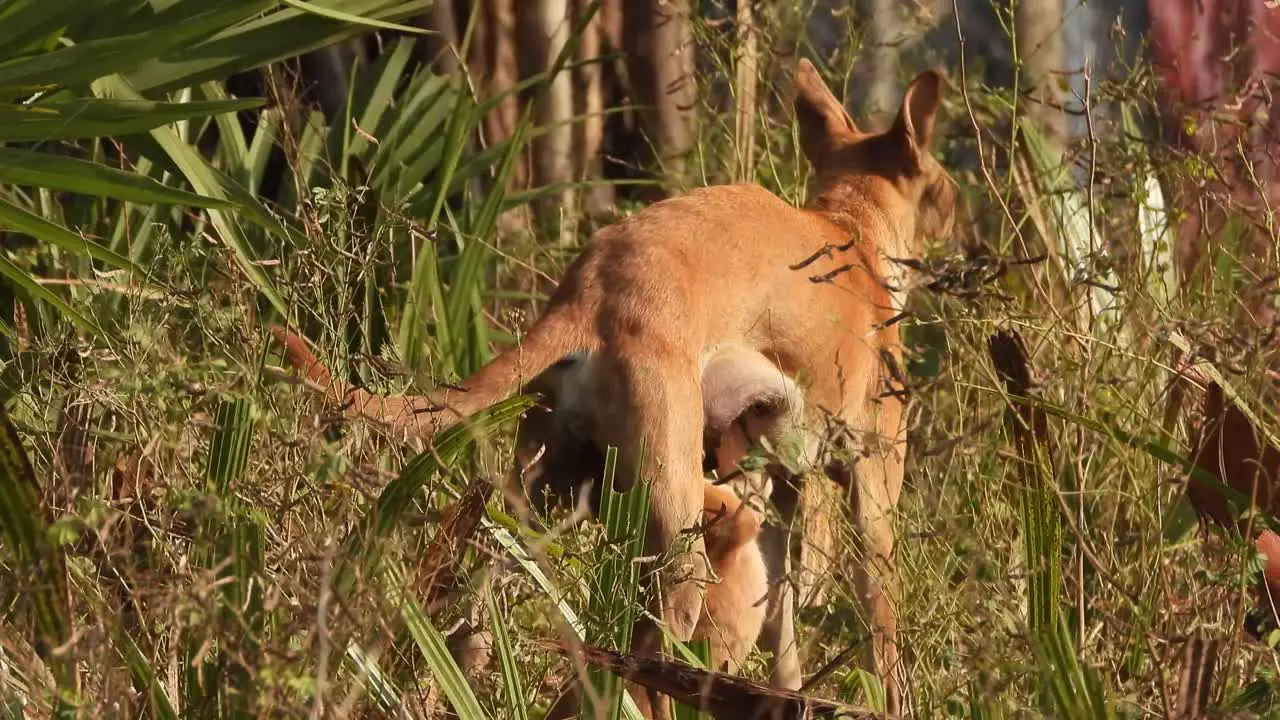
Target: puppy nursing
[[746, 399]]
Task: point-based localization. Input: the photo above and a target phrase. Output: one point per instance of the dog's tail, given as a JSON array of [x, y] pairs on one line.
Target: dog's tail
[[298, 354], [555, 335]]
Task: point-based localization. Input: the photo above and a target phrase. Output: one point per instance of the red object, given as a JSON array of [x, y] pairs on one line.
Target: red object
[[1218, 61], [1268, 607]]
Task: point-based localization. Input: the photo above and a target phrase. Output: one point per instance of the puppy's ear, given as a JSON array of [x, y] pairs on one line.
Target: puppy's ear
[[919, 113], [820, 116]]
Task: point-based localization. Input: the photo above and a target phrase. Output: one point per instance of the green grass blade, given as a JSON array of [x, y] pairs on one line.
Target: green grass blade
[[464, 308], [625, 517], [232, 440], [510, 670], [379, 685], [255, 163], [1029, 430], [28, 22], [375, 91], [82, 63], [206, 181], [59, 172], [425, 296], [16, 218], [270, 38], [95, 117], [521, 556], [343, 17], [237, 537], [443, 668], [23, 280], [360, 547], [1068, 688], [698, 654]]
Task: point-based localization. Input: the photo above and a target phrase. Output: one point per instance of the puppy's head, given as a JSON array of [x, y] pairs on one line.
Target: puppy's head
[[728, 523], [841, 153]]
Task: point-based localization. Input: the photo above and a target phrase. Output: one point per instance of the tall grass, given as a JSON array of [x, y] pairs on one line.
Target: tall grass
[[182, 535]]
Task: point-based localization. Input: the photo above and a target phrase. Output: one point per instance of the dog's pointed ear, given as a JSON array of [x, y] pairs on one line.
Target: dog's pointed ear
[[918, 117], [820, 116]]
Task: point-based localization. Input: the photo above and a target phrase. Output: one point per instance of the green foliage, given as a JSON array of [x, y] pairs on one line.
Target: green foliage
[[260, 561], [25, 524], [612, 599]]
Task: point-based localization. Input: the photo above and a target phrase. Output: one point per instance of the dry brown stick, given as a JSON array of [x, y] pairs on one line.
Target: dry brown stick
[[723, 696]]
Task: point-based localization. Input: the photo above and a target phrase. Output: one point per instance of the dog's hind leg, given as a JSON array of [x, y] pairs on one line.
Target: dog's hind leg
[[649, 406]]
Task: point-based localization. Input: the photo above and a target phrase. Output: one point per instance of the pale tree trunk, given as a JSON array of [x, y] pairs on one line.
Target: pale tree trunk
[[1039, 52], [744, 125], [589, 105], [875, 84], [548, 24], [659, 47]]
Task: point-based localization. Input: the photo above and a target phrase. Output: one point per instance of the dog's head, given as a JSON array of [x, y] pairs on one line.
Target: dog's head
[[843, 155]]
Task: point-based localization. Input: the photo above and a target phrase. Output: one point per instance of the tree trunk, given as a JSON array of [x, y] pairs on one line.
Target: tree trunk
[[876, 88], [659, 46], [1039, 51], [589, 105], [747, 70], [545, 27], [495, 68]]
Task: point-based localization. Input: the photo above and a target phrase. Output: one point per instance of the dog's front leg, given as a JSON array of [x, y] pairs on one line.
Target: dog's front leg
[[876, 487], [778, 635]]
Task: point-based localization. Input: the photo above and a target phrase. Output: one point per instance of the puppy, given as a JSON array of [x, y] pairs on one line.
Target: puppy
[[746, 400], [735, 606]]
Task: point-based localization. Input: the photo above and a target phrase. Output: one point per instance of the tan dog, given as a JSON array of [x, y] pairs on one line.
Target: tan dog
[[812, 289]]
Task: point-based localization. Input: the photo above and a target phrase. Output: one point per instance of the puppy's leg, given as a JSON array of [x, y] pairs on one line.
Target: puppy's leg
[[650, 400]]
